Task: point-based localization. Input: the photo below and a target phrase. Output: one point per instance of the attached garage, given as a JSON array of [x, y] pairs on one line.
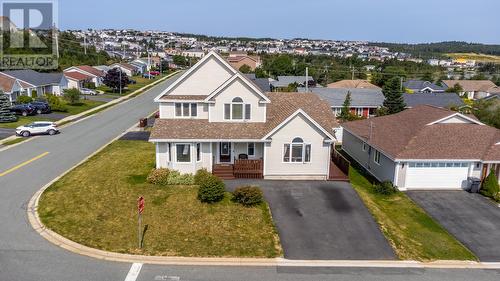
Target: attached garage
[[433, 175]]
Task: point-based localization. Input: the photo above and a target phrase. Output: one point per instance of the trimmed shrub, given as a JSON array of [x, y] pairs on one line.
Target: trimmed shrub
[[248, 195], [24, 99], [72, 95], [211, 190], [385, 188], [490, 185], [176, 178], [158, 176], [55, 103], [201, 175]]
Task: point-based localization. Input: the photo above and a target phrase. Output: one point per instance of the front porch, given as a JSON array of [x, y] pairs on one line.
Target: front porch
[[242, 168]]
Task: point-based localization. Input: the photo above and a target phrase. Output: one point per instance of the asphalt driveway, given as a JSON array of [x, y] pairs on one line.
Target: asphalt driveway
[[471, 218], [322, 220]]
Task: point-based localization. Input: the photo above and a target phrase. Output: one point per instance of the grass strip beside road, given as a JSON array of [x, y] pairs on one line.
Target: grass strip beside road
[[14, 141], [412, 233], [95, 205]]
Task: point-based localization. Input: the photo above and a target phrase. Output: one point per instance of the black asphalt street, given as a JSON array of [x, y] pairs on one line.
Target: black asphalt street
[[26, 256]]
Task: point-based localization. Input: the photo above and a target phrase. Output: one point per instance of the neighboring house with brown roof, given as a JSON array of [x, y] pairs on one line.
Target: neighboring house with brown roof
[[127, 68], [424, 147], [214, 117], [353, 84], [474, 89], [11, 86], [238, 61], [96, 75], [77, 80]]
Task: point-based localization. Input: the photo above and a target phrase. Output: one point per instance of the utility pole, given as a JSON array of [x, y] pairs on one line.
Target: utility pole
[[401, 84], [307, 79], [119, 69], [57, 40]]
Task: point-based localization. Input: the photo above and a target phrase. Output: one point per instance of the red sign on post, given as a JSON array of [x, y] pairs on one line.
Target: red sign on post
[[140, 204]]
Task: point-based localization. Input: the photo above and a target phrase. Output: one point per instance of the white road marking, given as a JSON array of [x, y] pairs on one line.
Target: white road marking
[[134, 271]]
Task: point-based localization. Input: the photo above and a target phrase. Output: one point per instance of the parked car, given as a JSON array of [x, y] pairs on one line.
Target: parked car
[[132, 81], [154, 72], [41, 107], [23, 109], [149, 76], [86, 91], [37, 128]]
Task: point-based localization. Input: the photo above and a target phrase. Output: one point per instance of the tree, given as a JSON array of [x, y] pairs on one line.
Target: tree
[[427, 77], [180, 60], [345, 112], [164, 66], [112, 79], [457, 89], [245, 69], [490, 185], [394, 101], [5, 114], [72, 95], [488, 112]]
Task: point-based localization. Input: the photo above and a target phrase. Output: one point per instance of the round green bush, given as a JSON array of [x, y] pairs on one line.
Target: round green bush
[[201, 175], [24, 99], [248, 195], [158, 176], [211, 190], [490, 186], [385, 188]]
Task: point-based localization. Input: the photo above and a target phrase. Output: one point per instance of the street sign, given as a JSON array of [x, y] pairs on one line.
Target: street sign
[[140, 209], [140, 205]]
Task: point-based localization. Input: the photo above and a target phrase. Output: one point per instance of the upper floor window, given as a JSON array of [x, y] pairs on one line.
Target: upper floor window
[[185, 109], [297, 151], [237, 110]]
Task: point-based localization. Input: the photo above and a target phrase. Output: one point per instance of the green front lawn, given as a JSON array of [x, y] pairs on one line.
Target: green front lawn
[[413, 234], [95, 205], [140, 82], [81, 106]]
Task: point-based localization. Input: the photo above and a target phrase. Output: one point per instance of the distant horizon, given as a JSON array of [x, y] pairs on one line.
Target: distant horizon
[[277, 38], [386, 21]]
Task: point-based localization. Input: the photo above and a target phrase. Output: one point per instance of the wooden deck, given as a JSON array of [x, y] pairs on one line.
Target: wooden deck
[[244, 168]]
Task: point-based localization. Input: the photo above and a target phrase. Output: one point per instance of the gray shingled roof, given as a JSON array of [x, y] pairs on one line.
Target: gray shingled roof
[[36, 78], [419, 85], [284, 81], [360, 97], [262, 83], [444, 100]]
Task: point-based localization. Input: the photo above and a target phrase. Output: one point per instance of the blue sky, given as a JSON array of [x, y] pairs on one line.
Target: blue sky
[[372, 20]]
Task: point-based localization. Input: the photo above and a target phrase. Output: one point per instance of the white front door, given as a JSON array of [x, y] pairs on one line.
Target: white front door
[[441, 176]]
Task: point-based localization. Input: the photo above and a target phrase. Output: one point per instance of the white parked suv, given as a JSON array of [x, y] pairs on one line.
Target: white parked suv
[[37, 128]]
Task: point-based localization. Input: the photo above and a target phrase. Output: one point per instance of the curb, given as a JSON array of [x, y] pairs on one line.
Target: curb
[[69, 119]]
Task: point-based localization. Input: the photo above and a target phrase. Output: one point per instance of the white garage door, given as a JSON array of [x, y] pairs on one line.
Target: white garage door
[[427, 175]]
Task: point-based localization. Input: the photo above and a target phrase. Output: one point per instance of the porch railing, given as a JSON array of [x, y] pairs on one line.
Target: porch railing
[[248, 168]]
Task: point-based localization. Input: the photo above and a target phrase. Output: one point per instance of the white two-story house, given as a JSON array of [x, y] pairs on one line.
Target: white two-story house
[[213, 117]]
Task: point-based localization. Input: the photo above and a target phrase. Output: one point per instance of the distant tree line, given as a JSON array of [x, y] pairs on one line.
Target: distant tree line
[[429, 50]]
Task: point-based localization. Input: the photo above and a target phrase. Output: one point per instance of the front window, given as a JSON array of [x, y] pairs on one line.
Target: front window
[[297, 151], [251, 149], [359, 111], [186, 109], [183, 152], [237, 110]]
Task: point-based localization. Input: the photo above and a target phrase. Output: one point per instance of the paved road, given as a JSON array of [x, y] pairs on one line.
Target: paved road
[[471, 218], [321, 220], [25, 256]]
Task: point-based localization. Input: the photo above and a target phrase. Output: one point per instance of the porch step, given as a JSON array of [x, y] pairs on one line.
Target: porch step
[[223, 171]]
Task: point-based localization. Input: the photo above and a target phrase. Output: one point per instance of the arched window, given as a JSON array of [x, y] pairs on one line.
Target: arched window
[[297, 151], [237, 110]]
